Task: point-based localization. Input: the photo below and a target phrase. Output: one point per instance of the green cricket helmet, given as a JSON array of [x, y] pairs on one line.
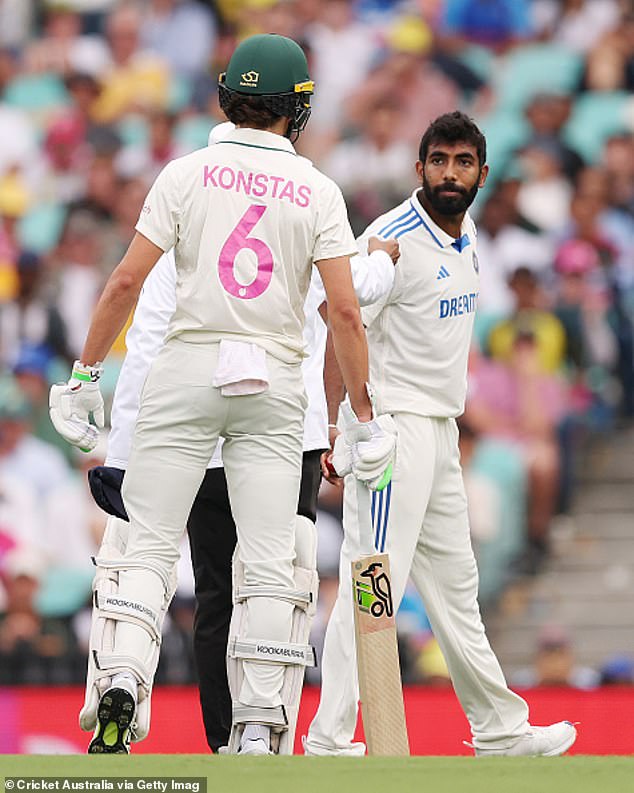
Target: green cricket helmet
[[275, 69]]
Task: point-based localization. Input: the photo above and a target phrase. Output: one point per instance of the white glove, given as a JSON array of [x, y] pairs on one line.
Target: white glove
[[341, 459], [370, 446], [71, 403]]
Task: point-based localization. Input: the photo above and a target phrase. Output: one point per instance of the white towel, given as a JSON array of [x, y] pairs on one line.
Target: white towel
[[241, 369]]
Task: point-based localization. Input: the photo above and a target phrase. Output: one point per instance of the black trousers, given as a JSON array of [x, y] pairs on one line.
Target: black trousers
[[212, 539]]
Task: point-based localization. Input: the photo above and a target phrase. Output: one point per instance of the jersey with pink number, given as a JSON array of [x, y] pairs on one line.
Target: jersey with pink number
[[247, 218]]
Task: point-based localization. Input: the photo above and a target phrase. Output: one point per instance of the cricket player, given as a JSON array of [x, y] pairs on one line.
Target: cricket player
[[211, 529], [247, 218], [210, 526], [419, 338]]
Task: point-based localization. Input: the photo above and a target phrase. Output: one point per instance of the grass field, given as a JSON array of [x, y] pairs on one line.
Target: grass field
[[578, 774]]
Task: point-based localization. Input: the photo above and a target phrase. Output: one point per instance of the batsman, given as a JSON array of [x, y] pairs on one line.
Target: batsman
[[247, 219]]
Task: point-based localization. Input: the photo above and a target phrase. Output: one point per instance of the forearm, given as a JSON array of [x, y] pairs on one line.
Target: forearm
[[108, 319], [351, 350], [118, 298], [333, 381]]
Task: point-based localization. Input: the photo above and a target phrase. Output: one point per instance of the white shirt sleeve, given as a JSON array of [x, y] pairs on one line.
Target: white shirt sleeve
[[372, 276], [334, 235], [159, 217], [144, 339]]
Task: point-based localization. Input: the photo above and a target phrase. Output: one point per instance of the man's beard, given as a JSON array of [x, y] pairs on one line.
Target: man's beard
[[446, 204]]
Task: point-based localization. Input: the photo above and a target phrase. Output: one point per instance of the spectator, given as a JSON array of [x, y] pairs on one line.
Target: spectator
[[31, 372], [575, 24], [79, 280], [503, 246], [610, 62], [405, 72], [581, 305], [148, 159], [520, 402], [498, 24], [529, 318], [618, 670], [83, 90], [618, 165], [100, 196], [169, 23], [14, 202], [67, 158], [40, 466], [547, 115], [33, 649], [31, 320], [555, 664], [374, 168], [334, 32], [136, 80], [62, 47], [545, 192]]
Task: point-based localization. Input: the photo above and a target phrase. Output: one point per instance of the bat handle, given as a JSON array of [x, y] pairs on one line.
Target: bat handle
[[366, 533]]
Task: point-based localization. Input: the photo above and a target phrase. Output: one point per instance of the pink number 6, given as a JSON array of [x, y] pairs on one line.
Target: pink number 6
[[238, 240]]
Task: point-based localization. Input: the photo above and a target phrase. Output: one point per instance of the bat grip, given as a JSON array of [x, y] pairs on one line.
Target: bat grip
[[366, 533]]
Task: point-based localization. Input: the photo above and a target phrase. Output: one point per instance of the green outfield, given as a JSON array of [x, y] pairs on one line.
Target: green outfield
[[330, 775]]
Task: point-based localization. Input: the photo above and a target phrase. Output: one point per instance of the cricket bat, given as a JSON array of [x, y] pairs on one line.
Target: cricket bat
[[380, 684]]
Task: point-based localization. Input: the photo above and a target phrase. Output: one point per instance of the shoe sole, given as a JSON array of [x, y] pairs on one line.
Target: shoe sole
[[114, 718]]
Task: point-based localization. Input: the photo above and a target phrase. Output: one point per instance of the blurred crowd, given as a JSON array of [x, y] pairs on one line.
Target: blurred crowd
[[96, 96]]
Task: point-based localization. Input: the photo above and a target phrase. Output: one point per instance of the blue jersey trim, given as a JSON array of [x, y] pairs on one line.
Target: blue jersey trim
[[422, 220], [411, 227], [388, 230], [461, 244]]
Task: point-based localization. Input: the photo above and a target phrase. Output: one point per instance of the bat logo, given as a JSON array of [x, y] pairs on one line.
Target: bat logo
[[375, 597]]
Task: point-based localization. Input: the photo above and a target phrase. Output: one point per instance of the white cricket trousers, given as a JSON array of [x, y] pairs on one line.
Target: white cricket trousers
[[181, 417], [421, 521]]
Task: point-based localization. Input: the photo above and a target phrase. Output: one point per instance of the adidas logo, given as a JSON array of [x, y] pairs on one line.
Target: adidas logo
[[443, 273]]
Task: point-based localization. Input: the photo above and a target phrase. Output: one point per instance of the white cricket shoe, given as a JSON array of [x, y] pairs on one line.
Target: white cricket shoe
[[311, 749], [536, 742], [258, 746]]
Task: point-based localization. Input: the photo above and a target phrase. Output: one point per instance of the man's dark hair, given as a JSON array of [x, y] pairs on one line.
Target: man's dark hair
[[453, 127], [249, 111]]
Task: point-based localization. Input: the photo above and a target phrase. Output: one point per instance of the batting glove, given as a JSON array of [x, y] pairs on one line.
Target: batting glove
[[371, 446], [70, 405]]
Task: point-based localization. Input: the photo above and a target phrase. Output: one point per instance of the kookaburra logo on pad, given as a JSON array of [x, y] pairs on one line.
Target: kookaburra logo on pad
[[250, 79], [377, 596]]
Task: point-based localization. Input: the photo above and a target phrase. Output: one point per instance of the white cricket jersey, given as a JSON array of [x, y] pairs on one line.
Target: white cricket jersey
[[372, 277], [246, 217], [419, 335]]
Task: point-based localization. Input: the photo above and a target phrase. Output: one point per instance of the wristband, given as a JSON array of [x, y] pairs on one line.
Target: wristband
[[87, 374]]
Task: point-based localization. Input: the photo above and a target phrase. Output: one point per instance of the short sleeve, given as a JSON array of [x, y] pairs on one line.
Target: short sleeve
[[334, 236], [159, 217]]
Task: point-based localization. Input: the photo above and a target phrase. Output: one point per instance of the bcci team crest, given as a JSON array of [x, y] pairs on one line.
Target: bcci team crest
[[476, 263], [249, 79], [375, 597]]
